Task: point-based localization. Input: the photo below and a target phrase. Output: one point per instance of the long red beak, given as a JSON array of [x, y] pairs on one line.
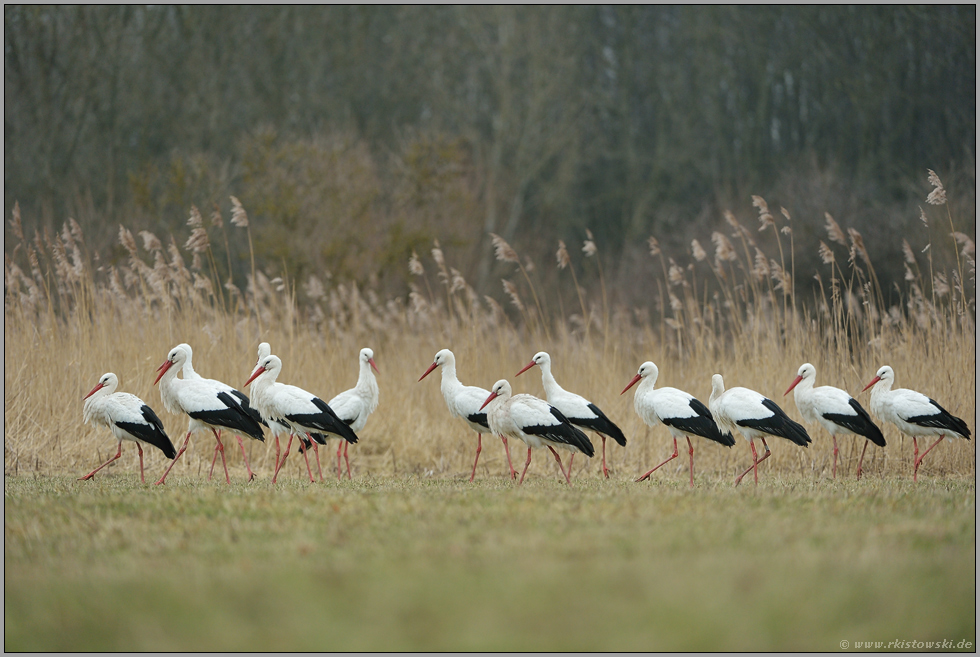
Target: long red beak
[[793, 385], [371, 360], [98, 386], [429, 371], [163, 370], [526, 368], [631, 383], [258, 372], [492, 396], [873, 381]]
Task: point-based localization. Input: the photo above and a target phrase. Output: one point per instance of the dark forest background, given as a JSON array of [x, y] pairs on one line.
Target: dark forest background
[[355, 135]]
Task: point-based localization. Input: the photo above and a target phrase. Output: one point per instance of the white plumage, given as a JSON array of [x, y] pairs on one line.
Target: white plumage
[[210, 405], [355, 405], [464, 402], [535, 422], [303, 412], [579, 410], [128, 418], [834, 410], [682, 414], [913, 413], [754, 416]]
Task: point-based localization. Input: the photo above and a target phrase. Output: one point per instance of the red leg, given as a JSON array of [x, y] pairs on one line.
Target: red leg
[[479, 448], [221, 448], [278, 451], [214, 460], [755, 462], [140, 448], [347, 460], [605, 470], [560, 466], [671, 458], [183, 449], [282, 462], [915, 459], [306, 457], [861, 460], [690, 451], [118, 454], [835, 455], [923, 453], [248, 468], [568, 474], [316, 452], [513, 474], [525, 466]]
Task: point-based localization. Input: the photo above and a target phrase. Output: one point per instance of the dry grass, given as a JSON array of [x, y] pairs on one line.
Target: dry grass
[[70, 316]]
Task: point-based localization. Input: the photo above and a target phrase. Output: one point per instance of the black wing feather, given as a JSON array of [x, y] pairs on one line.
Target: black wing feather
[[941, 420], [703, 424], [243, 400], [479, 418], [233, 417], [778, 425], [325, 421], [151, 433], [600, 424], [565, 433], [861, 424]]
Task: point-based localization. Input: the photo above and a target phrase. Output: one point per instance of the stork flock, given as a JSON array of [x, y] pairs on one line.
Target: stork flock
[[558, 422]]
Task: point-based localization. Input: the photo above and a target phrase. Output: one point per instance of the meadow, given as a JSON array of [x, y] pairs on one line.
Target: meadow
[[411, 556]]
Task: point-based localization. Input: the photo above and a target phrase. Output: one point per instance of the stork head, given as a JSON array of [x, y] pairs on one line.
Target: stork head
[[178, 356], [806, 372], [500, 389], [885, 373], [367, 358], [542, 359], [264, 350], [648, 370], [108, 381], [443, 357], [267, 364]]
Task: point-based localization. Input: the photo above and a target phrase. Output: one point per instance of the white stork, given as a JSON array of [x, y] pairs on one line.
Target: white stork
[[534, 421], [682, 414], [914, 414], [833, 409], [303, 412], [208, 403], [755, 416], [579, 410], [465, 402], [127, 417], [355, 405]]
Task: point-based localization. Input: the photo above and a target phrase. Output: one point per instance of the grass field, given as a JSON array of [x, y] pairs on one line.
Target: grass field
[[409, 563]]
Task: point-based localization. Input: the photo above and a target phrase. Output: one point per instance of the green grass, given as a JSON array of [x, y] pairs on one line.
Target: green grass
[[419, 564]]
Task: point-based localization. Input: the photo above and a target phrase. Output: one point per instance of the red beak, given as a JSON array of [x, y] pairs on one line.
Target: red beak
[[795, 381], [631, 383], [258, 371], [526, 368], [429, 371], [163, 370], [94, 390], [492, 396], [371, 360], [873, 381]]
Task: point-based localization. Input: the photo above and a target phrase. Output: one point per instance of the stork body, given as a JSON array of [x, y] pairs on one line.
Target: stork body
[[535, 422], [579, 410], [834, 410], [914, 414], [754, 416], [465, 403], [355, 405], [682, 414], [210, 405], [127, 417], [303, 412]]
